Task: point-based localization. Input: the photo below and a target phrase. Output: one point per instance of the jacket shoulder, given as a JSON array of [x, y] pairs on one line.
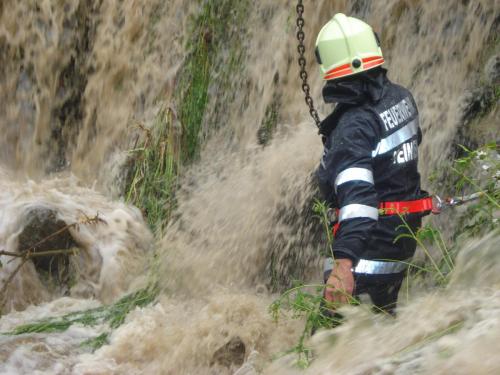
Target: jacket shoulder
[[403, 92], [360, 120], [331, 121]]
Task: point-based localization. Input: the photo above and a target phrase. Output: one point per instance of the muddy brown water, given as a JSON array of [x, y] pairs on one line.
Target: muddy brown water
[[76, 76]]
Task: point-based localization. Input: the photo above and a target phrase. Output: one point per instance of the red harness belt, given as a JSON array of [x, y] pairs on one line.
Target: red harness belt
[[423, 205], [406, 207]]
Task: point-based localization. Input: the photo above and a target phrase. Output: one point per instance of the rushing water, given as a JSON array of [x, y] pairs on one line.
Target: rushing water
[[76, 76]]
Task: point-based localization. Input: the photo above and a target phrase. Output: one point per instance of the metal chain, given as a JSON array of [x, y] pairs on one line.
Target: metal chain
[[302, 63]]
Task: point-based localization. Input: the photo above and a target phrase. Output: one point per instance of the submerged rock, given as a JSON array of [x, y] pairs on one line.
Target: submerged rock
[[250, 367], [44, 231], [230, 354]]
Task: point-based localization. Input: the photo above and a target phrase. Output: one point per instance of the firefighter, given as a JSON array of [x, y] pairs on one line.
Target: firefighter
[[368, 171]]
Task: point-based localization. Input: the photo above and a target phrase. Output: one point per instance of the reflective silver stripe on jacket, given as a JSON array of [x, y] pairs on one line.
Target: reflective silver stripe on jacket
[[372, 267], [397, 138], [352, 211], [378, 267], [353, 174]]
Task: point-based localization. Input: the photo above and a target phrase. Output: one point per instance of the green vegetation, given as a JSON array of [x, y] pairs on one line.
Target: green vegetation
[[271, 116], [486, 160], [154, 169], [476, 171], [322, 213], [174, 138], [210, 39], [96, 342], [193, 84], [306, 302], [112, 315], [268, 126]]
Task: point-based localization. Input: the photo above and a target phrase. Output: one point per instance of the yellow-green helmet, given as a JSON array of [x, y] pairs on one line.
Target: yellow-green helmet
[[347, 46]]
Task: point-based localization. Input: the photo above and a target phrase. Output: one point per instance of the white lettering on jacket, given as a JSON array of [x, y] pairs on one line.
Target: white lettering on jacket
[[397, 114], [407, 152]]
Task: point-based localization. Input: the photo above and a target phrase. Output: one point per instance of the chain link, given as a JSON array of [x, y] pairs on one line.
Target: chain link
[[301, 49]]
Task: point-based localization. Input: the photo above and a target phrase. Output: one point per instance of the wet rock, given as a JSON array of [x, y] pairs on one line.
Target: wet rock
[[287, 258], [251, 366], [43, 231], [492, 70], [476, 102], [230, 354], [361, 8]]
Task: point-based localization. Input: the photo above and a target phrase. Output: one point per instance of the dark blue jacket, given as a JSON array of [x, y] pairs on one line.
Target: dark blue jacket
[[370, 156]]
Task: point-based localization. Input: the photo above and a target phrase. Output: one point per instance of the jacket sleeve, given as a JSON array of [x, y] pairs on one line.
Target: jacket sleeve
[[346, 167]]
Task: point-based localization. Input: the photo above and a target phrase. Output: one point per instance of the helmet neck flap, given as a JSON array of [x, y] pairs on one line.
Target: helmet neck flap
[[356, 89]]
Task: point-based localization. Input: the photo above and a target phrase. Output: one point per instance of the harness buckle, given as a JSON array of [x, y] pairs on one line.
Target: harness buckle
[[437, 205]]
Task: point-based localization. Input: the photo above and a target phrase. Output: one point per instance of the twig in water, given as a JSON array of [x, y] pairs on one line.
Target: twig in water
[[3, 292], [30, 252], [29, 255]]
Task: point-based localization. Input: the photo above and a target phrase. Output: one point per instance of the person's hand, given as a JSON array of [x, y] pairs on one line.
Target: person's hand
[[340, 284]]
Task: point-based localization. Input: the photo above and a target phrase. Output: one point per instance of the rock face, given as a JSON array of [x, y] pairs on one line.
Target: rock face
[[492, 70], [43, 231], [232, 354], [477, 102]]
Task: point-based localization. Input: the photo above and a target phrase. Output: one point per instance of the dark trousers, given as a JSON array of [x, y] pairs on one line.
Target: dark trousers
[[382, 289]]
